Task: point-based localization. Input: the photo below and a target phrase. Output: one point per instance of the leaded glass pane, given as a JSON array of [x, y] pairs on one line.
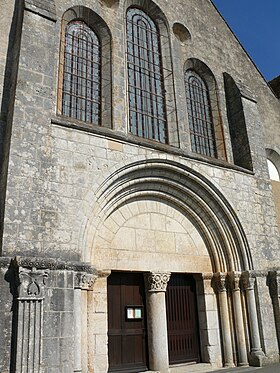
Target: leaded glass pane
[[147, 116], [200, 115], [81, 75]]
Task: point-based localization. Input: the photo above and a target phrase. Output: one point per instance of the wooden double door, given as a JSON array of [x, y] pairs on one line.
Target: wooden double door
[[127, 335], [127, 322]]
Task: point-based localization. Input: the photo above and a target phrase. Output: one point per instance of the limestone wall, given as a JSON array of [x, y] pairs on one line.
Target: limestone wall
[[58, 168]]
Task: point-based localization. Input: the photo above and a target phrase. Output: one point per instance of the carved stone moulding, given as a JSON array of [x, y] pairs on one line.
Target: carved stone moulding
[[46, 263], [27, 275]]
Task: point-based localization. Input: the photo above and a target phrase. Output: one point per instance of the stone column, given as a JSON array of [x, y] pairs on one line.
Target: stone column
[[156, 284], [83, 283], [238, 317], [256, 348], [31, 293], [220, 286]]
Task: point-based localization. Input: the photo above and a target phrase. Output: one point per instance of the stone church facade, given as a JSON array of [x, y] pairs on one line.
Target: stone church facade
[[139, 223]]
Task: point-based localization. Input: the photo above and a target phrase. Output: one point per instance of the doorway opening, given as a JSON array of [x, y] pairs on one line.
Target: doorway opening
[[182, 320], [127, 323]]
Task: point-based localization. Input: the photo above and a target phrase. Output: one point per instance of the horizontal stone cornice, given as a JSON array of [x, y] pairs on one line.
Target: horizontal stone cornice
[[46, 263]]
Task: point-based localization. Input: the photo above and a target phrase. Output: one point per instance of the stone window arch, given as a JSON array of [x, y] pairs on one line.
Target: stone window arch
[[205, 125], [84, 85], [152, 113]]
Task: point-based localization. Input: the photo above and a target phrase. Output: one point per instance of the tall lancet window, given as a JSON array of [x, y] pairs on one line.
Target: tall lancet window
[[200, 115], [81, 89], [147, 112]]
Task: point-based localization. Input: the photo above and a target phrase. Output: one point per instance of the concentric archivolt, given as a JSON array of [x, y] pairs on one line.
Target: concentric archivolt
[[186, 190]]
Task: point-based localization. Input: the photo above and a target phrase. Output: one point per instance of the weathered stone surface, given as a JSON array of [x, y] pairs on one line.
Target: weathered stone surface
[[81, 197]]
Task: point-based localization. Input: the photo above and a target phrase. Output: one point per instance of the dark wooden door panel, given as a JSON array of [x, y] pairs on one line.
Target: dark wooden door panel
[[182, 320], [127, 339]]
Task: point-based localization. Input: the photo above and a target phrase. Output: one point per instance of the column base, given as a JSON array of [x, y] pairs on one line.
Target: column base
[[243, 364], [256, 358], [229, 365]]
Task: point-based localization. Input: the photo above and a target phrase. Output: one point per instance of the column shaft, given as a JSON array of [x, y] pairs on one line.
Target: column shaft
[[256, 348], [253, 320], [220, 282], [226, 333], [157, 324], [239, 325], [157, 329]]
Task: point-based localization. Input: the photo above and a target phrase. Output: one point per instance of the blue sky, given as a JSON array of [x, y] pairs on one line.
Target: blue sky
[[256, 23]]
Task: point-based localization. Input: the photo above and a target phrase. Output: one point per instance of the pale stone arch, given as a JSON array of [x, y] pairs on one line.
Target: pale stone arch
[[187, 191]]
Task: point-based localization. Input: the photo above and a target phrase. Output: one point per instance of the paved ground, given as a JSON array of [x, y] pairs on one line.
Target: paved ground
[[206, 368], [270, 369]]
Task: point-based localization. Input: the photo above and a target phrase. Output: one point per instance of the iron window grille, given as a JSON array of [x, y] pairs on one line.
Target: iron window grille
[[200, 115], [147, 107], [81, 88]]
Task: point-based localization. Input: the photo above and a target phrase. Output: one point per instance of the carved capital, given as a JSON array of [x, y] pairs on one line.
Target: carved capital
[[248, 281], [207, 276], [220, 282], [32, 283], [157, 282], [84, 281], [234, 280]]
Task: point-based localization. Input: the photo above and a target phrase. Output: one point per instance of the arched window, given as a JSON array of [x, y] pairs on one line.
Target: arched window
[[147, 110], [81, 88], [200, 115]]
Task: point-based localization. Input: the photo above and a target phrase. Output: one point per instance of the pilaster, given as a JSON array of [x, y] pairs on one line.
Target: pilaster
[[31, 293], [83, 282]]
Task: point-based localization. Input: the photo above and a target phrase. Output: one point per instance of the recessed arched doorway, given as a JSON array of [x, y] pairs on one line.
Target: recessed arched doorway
[[201, 235]]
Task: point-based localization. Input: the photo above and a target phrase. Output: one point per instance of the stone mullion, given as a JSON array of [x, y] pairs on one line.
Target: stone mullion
[[221, 289], [238, 316], [156, 284], [256, 348]]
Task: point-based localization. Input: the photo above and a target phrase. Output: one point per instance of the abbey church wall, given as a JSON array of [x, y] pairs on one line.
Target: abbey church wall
[[83, 200]]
